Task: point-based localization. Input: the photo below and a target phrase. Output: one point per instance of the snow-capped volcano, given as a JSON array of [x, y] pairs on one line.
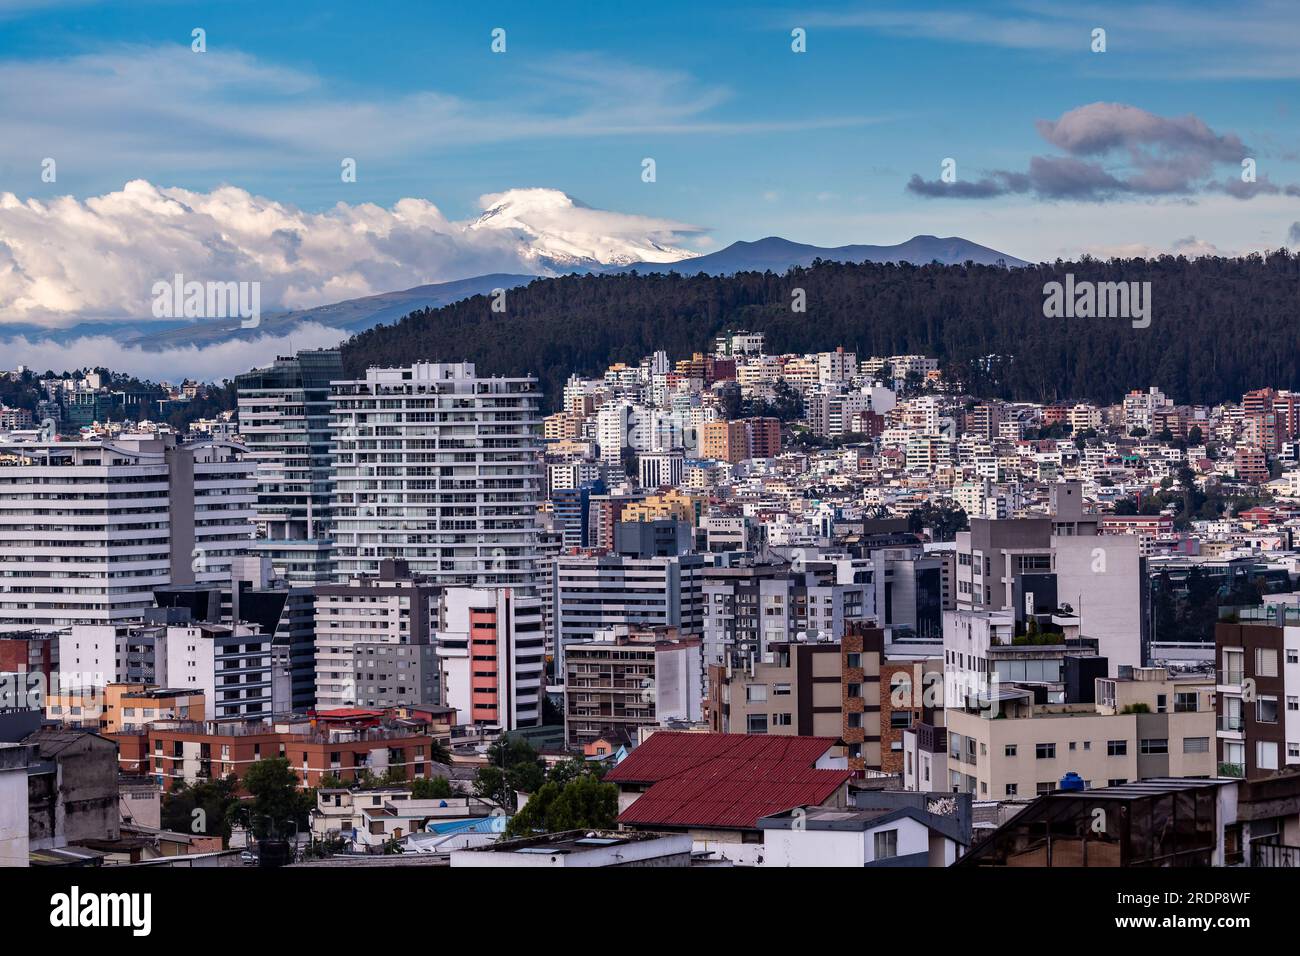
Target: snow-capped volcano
[[559, 233]]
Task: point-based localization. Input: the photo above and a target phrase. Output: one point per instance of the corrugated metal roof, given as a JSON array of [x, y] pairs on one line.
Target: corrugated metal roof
[[724, 780], [667, 753]]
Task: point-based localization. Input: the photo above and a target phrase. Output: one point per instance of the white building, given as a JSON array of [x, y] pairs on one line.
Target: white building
[[230, 665], [661, 469], [440, 468], [89, 529]]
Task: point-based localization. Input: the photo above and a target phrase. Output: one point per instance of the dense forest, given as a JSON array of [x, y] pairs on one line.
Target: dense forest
[[1219, 326]]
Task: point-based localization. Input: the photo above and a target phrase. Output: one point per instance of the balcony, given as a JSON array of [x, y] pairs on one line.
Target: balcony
[[1265, 853], [1235, 770], [1231, 723]]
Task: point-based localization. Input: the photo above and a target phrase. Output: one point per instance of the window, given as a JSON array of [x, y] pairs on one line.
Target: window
[[1116, 748], [1185, 702], [1267, 712], [781, 720], [1154, 745], [756, 724], [900, 719], [1162, 703], [1265, 662], [1045, 788], [1045, 751], [1293, 703], [1292, 655], [1196, 745], [886, 844], [1009, 750], [1265, 758], [781, 690], [755, 693], [1012, 789], [855, 690]]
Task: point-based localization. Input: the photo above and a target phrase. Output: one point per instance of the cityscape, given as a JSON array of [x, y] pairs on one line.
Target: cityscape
[[859, 437]]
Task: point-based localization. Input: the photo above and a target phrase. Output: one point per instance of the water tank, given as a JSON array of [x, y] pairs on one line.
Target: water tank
[[1072, 781]]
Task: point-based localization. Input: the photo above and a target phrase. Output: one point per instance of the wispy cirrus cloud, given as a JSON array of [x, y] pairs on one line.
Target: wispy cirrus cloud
[[1115, 150], [1250, 39], [143, 109]]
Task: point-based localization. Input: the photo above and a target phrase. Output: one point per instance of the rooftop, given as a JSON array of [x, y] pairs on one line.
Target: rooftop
[[725, 780]]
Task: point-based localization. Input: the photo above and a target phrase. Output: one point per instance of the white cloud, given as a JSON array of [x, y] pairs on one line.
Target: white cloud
[[68, 260], [210, 364]]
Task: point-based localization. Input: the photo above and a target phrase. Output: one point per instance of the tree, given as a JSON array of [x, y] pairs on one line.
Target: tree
[[431, 788], [945, 521], [568, 770], [1195, 436], [582, 803], [439, 753], [983, 323], [215, 801], [513, 766], [277, 802]]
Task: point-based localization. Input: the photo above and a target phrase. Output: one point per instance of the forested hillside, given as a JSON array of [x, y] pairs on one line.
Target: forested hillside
[[1219, 326]]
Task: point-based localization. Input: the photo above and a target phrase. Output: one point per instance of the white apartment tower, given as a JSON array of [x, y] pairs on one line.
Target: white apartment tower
[[440, 468], [89, 529]]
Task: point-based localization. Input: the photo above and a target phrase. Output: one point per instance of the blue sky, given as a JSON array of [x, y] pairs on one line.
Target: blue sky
[[749, 138]]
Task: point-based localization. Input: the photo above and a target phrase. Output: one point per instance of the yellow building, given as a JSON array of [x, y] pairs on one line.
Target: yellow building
[[675, 505]]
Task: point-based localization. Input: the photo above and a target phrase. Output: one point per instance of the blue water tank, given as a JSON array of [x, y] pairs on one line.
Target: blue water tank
[[1072, 781]]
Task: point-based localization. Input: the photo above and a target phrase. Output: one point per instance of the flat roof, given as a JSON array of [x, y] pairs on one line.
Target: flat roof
[[1138, 789]]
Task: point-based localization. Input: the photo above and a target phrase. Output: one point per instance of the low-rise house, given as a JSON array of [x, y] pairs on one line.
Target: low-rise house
[[716, 787], [367, 820]]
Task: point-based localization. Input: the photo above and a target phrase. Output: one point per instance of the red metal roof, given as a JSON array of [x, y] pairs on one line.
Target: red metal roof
[[724, 780]]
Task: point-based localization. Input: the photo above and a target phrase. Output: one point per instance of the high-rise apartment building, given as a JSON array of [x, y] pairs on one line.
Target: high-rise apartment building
[[440, 468], [284, 419], [89, 529]]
